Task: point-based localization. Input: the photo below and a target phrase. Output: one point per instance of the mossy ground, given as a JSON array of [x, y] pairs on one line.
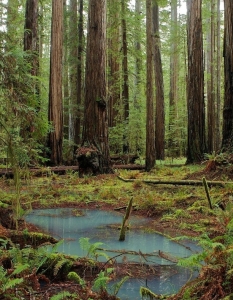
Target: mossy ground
[[174, 210]]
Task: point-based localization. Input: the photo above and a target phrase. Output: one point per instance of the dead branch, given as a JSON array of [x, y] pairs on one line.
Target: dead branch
[[177, 182]]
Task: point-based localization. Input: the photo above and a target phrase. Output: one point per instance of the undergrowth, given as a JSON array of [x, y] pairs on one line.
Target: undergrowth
[[183, 208]]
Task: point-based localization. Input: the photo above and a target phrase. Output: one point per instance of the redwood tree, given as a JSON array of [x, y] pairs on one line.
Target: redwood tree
[[73, 62], [211, 83], [31, 43], [55, 114], [227, 141], [195, 83], [125, 88], [93, 155], [150, 128], [77, 127], [31, 47], [159, 112]]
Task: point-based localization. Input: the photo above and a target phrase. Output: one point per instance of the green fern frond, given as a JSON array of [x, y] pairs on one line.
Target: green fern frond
[[116, 287], [84, 244], [63, 261], [218, 246], [193, 261], [103, 254], [100, 282], [90, 248], [11, 283], [2, 274], [93, 247], [76, 278], [19, 268]]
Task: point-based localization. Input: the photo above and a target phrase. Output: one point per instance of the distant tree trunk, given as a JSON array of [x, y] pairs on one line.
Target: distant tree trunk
[[227, 141], [113, 62], [150, 128], [138, 64], [195, 84], [211, 119], [159, 112], [125, 91], [137, 134], [93, 155], [73, 63], [31, 43], [11, 22], [66, 90], [77, 126], [173, 95], [31, 47], [55, 114], [218, 88]]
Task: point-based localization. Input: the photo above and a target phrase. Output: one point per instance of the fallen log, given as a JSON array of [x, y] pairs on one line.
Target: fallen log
[[61, 170], [124, 158], [8, 172], [177, 182], [129, 167]]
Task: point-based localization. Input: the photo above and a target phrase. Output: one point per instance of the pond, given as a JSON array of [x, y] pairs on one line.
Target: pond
[[140, 246]]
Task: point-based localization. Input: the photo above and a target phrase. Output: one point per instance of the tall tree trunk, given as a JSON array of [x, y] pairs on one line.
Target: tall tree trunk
[[174, 72], [31, 34], [195, 88], [77, 131], [159, 112], [66, 90], [138, 63], [125, 91], [113, 62], [55, 113], [227, 141], [218, 88], [73, 63], [150, 128], [31, 47], [137, 134], [93, 156], [210, 81], [11, 22]]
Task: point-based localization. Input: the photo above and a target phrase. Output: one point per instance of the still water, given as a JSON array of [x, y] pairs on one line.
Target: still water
[[102, 226]]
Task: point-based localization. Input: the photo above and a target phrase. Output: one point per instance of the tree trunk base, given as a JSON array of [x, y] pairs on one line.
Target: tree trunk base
[[91, 162]]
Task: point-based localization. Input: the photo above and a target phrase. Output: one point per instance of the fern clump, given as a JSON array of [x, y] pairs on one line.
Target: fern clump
[[100, 282], [76, 278]]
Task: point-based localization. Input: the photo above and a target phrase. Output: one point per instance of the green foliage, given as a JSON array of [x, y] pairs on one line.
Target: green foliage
[[7, 282], [76, 278], [116, 287], [32, 258], [61, 262], [64, 295], [92, 249], [148, 294], [100, 282]]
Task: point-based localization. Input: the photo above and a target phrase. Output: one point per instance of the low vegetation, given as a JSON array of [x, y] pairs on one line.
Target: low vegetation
[[178, 211]]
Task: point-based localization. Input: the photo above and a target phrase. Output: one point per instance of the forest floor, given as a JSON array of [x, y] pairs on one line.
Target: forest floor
[[172, 209]]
